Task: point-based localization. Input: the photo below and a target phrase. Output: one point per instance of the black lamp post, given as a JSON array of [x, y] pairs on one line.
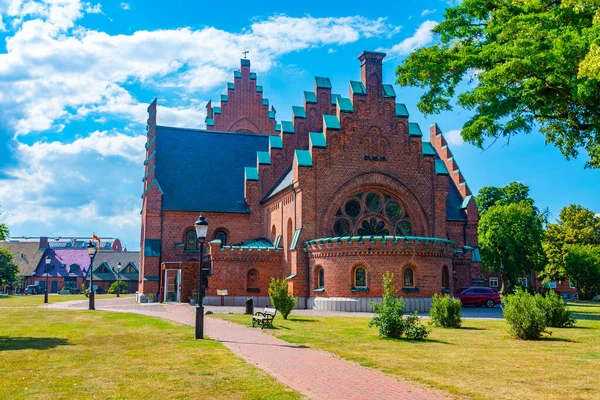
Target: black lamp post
[[201, 229], [48, 259], [118, 270], [92, 252]]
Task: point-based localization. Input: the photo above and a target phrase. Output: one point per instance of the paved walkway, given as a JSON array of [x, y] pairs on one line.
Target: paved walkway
[[314, 373]]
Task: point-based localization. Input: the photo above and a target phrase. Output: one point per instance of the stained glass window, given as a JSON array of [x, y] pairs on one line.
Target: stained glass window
[[373, 202], [403, 229], [341, 227], [222, 236], [409, 277], [353, 208], [190, 240], [360, 277]]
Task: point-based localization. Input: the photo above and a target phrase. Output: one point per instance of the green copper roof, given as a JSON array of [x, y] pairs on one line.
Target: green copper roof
[[466, 202], [287, 126], [224, 98], [428, 149], [331, 122], [440, 167], [259, 88], [323, 83], [265, 102], [253, 75], [295, 238], [401, 110], [358, 87], [334, 98], [275, 142], [304, 158], [298, 112], [230, 85], [263, 158], [251, 173], [388, 90], [414, 129], [310, 97], [245, 62], [217, 110], [210, 122], [317, 139], [277, 127], [237, 74], [272, 114], [345, 104]]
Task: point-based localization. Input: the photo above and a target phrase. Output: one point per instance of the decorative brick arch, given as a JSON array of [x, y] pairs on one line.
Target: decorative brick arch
[[243, 124], [376, 181]]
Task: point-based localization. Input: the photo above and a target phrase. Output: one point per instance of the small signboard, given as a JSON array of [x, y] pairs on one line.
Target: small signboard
[[222, 292]]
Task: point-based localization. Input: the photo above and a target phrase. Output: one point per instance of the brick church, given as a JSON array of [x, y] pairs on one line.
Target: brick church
[[345, 191]]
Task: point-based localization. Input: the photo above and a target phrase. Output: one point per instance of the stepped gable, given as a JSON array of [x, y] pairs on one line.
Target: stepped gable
[[243, 107]]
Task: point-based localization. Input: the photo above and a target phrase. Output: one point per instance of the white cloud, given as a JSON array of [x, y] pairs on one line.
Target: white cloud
[[422, 36], [598, 215], [453, 137], [427, 12], [93, 9], [125, 6], [2, 26]]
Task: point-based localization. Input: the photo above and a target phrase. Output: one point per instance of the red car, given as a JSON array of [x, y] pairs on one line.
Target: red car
[[479, 296]]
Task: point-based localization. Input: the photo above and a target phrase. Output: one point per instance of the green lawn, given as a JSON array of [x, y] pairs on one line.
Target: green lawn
[[480, 360], [53, 354], [38, 299]]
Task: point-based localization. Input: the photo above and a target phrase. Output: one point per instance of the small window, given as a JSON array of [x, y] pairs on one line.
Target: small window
[[409, 277], [360, 277], [523, 282], [103, 269], [493, 282], [129, 269], [320, 278], [222, 236], [550, 285], [190, 240], [73, 268], [445, 278]]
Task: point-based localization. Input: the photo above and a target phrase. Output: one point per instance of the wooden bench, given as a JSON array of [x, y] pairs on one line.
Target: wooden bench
[[265, 318]]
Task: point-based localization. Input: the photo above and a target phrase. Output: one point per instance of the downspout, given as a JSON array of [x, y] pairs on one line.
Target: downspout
[[162, 214]]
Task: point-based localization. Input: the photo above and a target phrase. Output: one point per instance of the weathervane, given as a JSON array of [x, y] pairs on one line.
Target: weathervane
[[245, 52]]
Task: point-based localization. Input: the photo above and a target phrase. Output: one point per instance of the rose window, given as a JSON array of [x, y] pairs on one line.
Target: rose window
[[372, 214]]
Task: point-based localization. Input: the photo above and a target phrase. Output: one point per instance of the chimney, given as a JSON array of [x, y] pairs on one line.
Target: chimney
[[44, 242], [370, 71]]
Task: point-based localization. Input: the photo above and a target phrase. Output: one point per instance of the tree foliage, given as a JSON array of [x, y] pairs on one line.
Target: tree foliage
[[576, 225], [280, 297], [8, 268], [490, 196], [582, 266], [4, 233], [510, 240], [526, 63], [526, 319]]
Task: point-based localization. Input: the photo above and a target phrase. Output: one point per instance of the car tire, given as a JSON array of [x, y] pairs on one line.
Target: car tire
[[490, 303]]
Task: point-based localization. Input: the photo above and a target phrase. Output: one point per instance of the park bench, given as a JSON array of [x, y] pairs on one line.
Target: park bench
[[265, 318]]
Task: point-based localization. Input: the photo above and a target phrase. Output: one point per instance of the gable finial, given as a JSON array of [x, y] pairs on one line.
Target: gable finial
[[245, 53]]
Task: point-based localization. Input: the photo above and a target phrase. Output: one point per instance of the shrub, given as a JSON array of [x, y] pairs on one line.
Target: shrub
[[84, 290], [113, 287], [389, 315], [555, 310], [280, 297], [525, 317], [446, 311]]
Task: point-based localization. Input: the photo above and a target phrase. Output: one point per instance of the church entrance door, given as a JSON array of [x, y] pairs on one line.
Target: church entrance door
[[172, 285]]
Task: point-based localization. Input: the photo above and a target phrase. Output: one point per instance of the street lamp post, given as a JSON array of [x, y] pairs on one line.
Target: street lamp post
[[118, 269], [48, 259], [201, 229], [92, 252]]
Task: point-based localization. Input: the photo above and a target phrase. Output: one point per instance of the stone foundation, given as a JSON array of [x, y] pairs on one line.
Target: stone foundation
[[240, 301], [363, 304]]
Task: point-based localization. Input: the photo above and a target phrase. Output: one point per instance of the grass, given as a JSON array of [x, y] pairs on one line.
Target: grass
[[53, 354], [38, 299], [479, 360]]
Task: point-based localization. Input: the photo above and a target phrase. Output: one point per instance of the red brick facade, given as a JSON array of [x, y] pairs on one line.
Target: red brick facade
[[347, 183]]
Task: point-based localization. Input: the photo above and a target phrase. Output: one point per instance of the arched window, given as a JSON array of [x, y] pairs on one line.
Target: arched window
[[222, 236], [289, 233], [252, 283], [445, 278], [320, 278], [273, 233], [360, 277], [409, 277], [190, 240]]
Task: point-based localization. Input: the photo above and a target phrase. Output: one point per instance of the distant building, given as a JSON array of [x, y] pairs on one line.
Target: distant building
[[71, 242], [27, 256], [104, 268]]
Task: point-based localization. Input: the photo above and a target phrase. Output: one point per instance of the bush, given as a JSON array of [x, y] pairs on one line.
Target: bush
[[84, 290], [280, 297], [446, 311], [113, 287], [389, 318], [525, 317], [555, 310]]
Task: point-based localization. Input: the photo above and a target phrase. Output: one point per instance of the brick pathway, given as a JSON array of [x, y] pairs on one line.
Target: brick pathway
[[314, 373]]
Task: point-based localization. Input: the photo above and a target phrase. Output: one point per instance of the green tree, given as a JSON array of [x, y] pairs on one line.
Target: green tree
[[8, 268], [519, 65], [576, 225], [582, 266], [280, 297], [4, 233], [490, 196], [510, 240]]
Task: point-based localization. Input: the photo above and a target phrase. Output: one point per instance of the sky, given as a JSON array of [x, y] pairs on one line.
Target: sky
[[76, 78]]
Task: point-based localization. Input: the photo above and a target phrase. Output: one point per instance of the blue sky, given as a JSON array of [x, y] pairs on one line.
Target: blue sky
[[76, 77]]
